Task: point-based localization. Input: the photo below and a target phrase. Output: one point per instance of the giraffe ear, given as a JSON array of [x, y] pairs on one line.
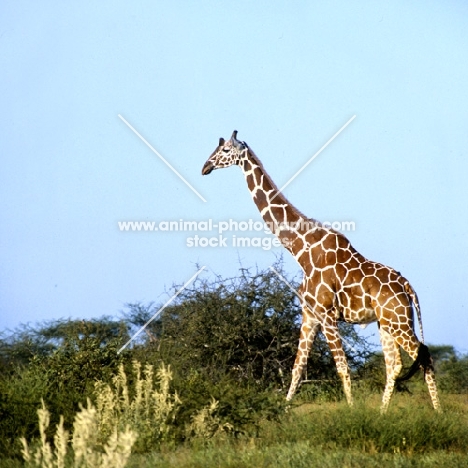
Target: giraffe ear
[[237, 144], [221, 142]]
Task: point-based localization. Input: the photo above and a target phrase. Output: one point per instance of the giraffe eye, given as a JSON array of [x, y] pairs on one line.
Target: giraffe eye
[[226, 150]]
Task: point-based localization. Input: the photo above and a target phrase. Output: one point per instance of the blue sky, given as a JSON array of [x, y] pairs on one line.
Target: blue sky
[[287, 76]]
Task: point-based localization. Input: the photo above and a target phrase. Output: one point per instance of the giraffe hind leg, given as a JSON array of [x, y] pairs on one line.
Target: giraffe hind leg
[[429, 377], [422, 360], [393, 365], [332, 335]]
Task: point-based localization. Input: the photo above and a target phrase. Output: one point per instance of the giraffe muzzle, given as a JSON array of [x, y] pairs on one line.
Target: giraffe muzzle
[[207, 168]]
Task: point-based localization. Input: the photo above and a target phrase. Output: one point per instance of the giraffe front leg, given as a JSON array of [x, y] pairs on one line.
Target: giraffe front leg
[[308, 332], [332, 335]]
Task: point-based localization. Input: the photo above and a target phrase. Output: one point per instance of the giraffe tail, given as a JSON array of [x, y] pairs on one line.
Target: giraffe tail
[[423, 361], [414, 298]]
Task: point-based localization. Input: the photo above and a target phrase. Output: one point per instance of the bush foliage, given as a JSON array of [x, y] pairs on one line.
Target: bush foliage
[[246, 328]]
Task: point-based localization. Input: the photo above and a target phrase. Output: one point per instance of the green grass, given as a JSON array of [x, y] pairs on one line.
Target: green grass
[[297, 456], [330, 434], [411, 434]]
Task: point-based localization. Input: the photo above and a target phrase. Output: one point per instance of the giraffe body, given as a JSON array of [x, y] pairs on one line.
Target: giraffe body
[[339, 283]]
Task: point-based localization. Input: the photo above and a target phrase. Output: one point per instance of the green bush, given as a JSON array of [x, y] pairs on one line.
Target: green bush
[[57, 362], [241, 407], [454, 376]]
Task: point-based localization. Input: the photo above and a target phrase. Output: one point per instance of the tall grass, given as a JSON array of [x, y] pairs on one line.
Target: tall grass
[[86, 450], [149, 409], [141, 413]]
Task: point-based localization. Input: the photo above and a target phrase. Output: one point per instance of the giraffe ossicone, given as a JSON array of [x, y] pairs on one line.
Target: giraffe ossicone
[[339, 283]]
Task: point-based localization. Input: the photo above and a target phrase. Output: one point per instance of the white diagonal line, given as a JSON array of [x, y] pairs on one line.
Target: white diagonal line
[[161, 309], [285, 281], [160, 157], [314, 156]]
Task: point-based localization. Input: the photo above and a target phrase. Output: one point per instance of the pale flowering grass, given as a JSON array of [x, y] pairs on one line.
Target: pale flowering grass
[[86, 451], [139, 415], [206, 423], [86, 444], [149, 409]]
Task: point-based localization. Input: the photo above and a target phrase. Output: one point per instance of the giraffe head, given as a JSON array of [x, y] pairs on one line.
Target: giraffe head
[[226, 154]]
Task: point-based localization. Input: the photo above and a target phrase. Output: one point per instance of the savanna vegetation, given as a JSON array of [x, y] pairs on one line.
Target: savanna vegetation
[[204, 385]]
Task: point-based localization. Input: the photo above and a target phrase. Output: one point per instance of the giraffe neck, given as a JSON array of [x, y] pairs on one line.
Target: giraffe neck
[[283, 219]]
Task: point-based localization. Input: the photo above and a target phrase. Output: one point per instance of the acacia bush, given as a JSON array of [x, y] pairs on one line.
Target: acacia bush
[[57, 362], [245, 328], [451, 369]]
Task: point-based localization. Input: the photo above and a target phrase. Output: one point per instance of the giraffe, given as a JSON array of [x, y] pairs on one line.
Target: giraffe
[[339, 283]]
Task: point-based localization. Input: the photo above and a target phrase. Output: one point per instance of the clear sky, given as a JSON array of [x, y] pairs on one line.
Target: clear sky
[[287, 75]]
